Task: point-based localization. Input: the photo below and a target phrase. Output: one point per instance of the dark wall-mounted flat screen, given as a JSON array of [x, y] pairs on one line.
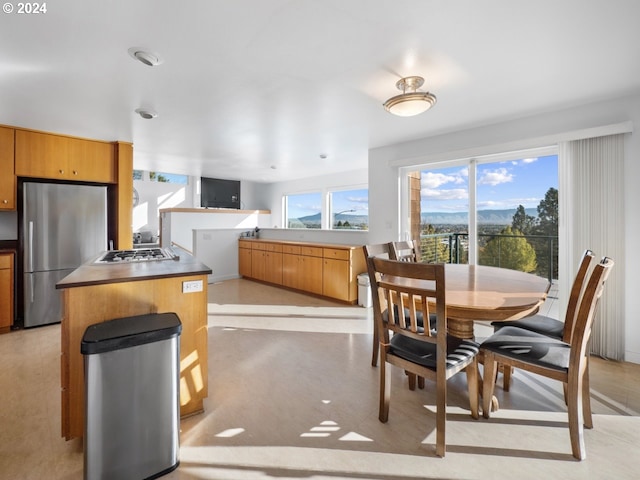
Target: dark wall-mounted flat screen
[[219, 193]]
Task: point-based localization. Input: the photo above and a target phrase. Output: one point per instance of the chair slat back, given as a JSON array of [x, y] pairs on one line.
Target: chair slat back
[[380, 250], [576, 292], [404, 251], [587, 311], [408, 287]]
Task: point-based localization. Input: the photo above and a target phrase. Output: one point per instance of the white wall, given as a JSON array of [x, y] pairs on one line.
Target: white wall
[[535, 131], [156, 195], [178, 227]]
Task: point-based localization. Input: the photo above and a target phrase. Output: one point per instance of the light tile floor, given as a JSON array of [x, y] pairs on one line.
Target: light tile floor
[[292, 395]]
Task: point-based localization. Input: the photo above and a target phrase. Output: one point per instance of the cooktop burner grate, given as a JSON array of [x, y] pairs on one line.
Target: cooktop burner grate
[[136, 255]]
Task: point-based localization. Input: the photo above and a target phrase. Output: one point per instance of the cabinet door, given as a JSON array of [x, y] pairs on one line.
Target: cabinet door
[[244, 262], [258, 264], [290, 267], [273, 267], [91, 161], [43, 155], [336, 279], [8, 177], [6, 292], [310, 274]]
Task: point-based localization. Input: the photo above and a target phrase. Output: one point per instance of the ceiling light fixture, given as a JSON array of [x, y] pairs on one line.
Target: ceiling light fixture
[[146, 113], [411, 103], [144, 56]]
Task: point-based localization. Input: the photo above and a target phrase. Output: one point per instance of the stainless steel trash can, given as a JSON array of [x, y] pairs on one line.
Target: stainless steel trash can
[[132, 408]]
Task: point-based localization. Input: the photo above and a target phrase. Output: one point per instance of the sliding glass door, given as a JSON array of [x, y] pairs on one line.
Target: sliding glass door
[[500, 210]]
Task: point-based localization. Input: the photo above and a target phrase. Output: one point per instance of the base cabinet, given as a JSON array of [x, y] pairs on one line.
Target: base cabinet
[[244, 259], [330, 271], [6, 292]]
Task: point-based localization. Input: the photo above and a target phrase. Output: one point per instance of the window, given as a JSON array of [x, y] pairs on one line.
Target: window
[[500, 210], [304, 210], [349, 209], [168, 178], [333, 209]]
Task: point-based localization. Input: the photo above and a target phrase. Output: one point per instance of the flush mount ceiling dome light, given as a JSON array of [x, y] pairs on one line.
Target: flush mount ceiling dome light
[[410, 103], [145, 56], [146, 113]]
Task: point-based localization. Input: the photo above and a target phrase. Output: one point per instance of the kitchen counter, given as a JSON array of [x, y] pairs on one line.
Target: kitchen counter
[[95, 293], [98, 274]]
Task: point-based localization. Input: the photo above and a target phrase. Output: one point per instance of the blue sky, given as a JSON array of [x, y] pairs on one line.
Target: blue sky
[[501, 185], [302, 205]]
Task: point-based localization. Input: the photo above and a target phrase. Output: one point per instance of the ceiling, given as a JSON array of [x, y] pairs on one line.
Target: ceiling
[[258, 90]]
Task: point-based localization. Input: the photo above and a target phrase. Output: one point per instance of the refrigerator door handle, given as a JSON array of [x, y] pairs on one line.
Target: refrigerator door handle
[[31, 289], [29, 267]]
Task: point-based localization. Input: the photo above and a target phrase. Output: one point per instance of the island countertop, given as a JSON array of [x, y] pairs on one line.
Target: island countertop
[[92, 273], [107, 291]]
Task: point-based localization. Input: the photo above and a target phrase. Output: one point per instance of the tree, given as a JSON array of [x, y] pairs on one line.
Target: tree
[[547, 227], [522, 222], [435, 248], [548, 213], [509, 250]]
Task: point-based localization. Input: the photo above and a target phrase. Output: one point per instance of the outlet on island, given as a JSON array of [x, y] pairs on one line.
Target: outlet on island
[[192, 286]]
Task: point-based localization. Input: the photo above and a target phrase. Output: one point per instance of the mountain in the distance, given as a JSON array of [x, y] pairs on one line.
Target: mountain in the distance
[[352, 219], [493, 217]]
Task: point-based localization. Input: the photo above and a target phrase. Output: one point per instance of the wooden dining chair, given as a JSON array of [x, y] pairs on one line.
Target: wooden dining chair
[[414, 349], [380, 250], [552, 358], [405, 251], [550, 326], [383, 250]]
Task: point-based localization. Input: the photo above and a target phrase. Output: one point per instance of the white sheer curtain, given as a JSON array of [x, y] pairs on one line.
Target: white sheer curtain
[[591, 215]]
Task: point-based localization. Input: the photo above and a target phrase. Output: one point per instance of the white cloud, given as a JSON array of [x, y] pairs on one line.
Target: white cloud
[[495, 177], [450, 194], [435, 180]]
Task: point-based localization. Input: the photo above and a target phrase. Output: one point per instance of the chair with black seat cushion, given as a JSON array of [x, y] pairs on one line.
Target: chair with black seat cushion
[[404, 251], [550, 326], [383, 250], [552, 358], [417, 350]]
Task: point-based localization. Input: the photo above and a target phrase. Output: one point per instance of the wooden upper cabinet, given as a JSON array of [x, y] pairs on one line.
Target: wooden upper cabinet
[[43, 155], [7, 178]]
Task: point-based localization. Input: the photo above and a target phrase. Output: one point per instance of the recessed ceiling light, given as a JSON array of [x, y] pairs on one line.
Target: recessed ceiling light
[[323, 156], [145, 56], [146, 113]]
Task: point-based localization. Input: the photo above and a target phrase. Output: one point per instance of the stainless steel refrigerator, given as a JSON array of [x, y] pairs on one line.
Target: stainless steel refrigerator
[[63, 226]]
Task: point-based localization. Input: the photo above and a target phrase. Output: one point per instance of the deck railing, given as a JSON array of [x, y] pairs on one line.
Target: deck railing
[[454, 248]]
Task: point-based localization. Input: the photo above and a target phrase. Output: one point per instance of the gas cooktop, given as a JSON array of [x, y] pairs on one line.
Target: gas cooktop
[[136, 255]]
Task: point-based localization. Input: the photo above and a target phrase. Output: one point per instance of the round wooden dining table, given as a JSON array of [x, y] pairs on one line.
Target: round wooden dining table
[[482, 293]]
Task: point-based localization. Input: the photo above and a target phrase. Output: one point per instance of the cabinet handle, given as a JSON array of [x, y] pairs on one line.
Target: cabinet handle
[[75, 172], [61, 171], [5, 201]]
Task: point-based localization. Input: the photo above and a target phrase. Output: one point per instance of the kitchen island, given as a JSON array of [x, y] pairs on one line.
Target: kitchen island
[[94, 293]]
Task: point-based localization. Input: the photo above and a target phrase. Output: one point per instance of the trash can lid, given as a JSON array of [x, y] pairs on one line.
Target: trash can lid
[[129, 332], [363, 279]]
